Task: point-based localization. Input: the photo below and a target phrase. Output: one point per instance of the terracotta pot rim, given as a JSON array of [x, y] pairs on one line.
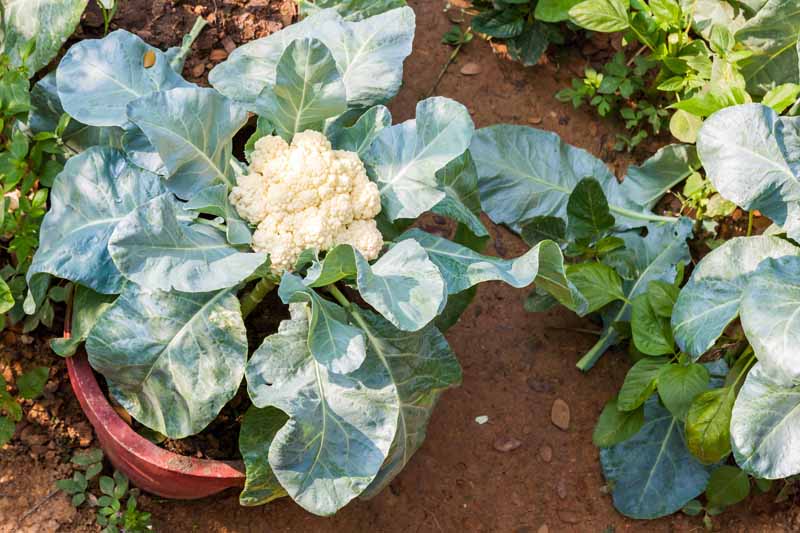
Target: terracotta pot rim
[[149, 466]]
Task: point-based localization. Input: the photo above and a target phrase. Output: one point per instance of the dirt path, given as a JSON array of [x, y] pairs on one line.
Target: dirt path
[[515, 365]]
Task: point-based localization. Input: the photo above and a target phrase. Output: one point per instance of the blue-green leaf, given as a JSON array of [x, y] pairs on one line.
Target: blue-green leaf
[[87, 307], [97, 78], [462, 201], [524, 173], [340, 427], [358, 137], [672, 164], [172, 360], [157, 250], [711, 298], [350, 9], [770, 313], [336, 345], [652, 473], [192, 129], [405, 158], [404, 285], [48, 23], [308, 89], [765, 426], [369, 54], [752, 156], [421, 365], [95, 191], [47, 111]]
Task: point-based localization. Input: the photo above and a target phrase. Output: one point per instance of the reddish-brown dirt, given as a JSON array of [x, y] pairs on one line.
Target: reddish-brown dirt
[[515, 364]]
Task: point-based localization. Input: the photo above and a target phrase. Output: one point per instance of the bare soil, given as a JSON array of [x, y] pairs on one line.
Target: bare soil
[[515, 364]]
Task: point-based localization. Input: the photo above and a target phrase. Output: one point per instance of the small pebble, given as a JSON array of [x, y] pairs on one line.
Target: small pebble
[[471, 69], [559, 414], [543, 529], [546, 453], [506, 444], [535, 120], [229, 45], [26, 339], [481, 420], [217, 54], [198, 70]]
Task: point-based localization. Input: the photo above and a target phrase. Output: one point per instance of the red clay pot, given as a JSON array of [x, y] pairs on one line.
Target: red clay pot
[[149, 467]]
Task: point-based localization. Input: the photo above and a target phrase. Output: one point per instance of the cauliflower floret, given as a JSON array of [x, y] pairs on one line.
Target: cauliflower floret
[[307, 195]]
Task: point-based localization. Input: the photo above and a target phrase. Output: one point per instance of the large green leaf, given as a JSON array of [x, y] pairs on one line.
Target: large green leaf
[[94, 192], [711, 298], [524, 172], [588, 215], [335, 344], [172, 360], [87, 307], [773, 37], [340, 427], [463, 268], [156, 249], [369, 54], [645, 259], [601, 15], [6, 299], [599, 284], [672, 164], [421, 365], [404, 285], [97, 78], [47, 112], [308, 89], [708, 13], [652, 334], [48, 23], [405, 158], [770, 314], [765, 426], [500, 24], [640, 382], [554, 10], [708, 421], [192, 129], [679, 385], [462, 201], [257, 432], [350, 9], [652, 473], [752, 157], [359, 136]]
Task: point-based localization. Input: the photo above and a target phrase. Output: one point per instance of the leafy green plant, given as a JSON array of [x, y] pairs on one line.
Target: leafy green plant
[[525, 25], [29, 160], [30, 385], [693, 59], [712, 388], [181, 242], [114, 513], [108, 8]]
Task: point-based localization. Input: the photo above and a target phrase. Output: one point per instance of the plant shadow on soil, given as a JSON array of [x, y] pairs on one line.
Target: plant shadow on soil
[[515, 364]]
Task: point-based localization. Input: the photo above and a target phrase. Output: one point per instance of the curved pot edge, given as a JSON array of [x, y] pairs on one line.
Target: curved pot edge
[[148, 466]]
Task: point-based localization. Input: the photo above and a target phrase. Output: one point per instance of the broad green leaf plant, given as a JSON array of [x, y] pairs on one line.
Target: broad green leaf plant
[[171, 242], [710, 403], [686, 59]]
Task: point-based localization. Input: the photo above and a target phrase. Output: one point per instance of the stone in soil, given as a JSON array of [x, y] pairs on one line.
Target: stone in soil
[[543, 529], [559, 414], [471, 69], [546, 453], [506, 444]]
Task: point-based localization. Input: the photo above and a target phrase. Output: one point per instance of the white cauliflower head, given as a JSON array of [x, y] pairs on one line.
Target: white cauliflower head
[[307, 195]]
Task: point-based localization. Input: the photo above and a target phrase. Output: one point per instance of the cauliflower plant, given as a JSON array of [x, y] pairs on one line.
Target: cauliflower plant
[[307, 195]]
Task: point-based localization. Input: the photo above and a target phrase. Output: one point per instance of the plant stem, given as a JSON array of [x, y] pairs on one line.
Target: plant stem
[[642, 216], [750, 223], [337, 294], [251, 300], [186, 45], [446, 66]]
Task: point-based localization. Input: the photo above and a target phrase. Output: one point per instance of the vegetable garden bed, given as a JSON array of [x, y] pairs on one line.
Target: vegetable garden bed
[[514, 469]]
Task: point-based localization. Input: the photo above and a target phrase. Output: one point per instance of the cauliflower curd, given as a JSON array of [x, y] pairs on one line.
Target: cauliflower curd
[[307, 195]]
